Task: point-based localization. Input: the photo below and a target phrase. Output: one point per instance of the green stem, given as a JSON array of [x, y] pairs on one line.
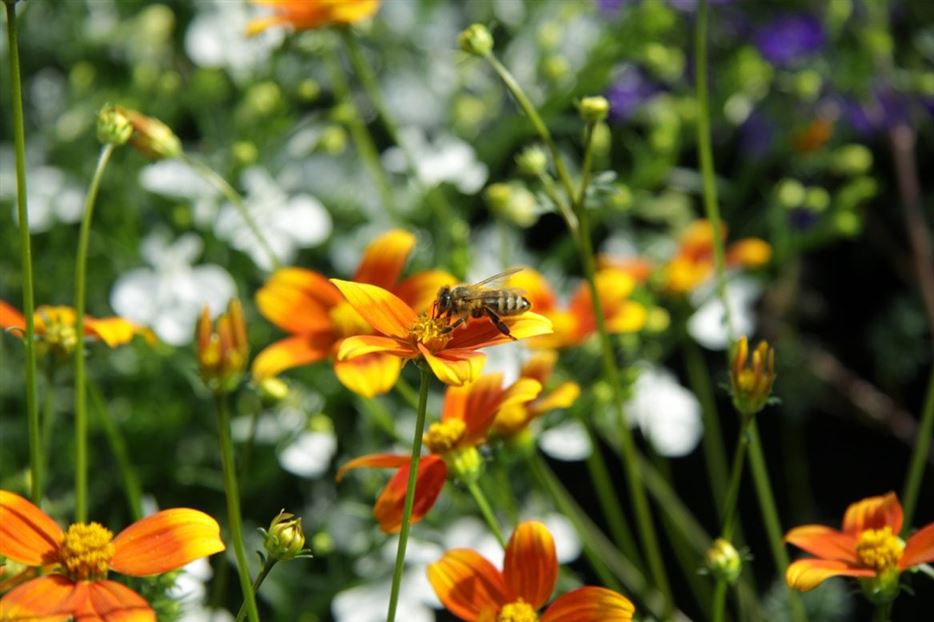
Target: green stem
[[362, 68], [409, 492], [258, 581], [486, 511], [22, 213], [246, 454], [81, 406], [232, 492], [705, 155], [883, 612], [131, 487], [719, 600], [360, 135], [919, 456], [221, 184], [48, 412], [551, 191], [773, 528]]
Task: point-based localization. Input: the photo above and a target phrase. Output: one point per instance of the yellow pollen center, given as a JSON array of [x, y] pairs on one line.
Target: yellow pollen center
[[430, 332], [879, 549], [518, 611], [347, 322], [443, 436], [87, 550]]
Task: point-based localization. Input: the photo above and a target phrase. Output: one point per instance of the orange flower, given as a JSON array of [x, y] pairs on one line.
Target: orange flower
[[467, 415], [694, 262], [474, 590], [56, 327], [305, 304], [452, 356], [305, 14], [512, 420], [868, 547], [573, 325], [81, 557]]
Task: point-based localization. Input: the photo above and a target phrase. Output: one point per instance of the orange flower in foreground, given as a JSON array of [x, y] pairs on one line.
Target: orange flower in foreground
[[573, 325], [474, 590], [467, 415], [305, 14], [514, 419], [56, 327], [81, 557], [694, 262], [868, 547], [452, 355], [305, 304]]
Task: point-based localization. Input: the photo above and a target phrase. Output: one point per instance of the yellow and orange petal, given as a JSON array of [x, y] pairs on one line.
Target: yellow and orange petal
[[369, 375], [590, 604], [468, 585], [292, 352], [55, 597], [824, 542], [116, 331], [874, 513], [27, 534], [919, 549], [10, 317], [298, 300], [306, 14], [806, 574], [749, 252], [454, 367], [563, 396], [384, 259], [535, 288], [382, 310], [374, 461], [165, 541], [419, 291], [432, 473], [530, 567]]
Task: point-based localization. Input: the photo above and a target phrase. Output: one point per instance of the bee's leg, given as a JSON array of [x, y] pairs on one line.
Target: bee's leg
[[451, 327], [498, 322]]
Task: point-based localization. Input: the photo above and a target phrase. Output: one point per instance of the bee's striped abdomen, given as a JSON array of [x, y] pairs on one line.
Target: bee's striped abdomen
[[506, 303]]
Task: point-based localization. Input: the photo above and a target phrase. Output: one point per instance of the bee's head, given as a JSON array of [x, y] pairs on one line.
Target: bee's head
[[443, 302]]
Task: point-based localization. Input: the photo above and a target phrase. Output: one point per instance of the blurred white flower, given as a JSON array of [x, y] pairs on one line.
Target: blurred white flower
[[169, 295], [177, 180], [668, 414], [567, 441], [446, 159], [216, 38], [707, 325], [51, 196], [568, 545], [309, 455], [287, 223]]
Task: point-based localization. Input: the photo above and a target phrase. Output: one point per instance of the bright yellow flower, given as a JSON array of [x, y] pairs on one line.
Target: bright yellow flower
[[513, 419], [306, 14]]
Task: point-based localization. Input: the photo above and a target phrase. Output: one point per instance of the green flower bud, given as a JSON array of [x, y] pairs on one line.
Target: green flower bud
[[476, 40], [464, 463], [790, 193], [533, 161], [594, 109], [852, 160], [751, 378], [816, 199], [285, 540], [245, 152], [724, 561], [113, 126]]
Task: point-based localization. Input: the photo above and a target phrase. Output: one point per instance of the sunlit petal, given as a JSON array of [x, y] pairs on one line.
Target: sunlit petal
[[824, 542], [165, 541], [374, 461], [484, 396], [110, 601], [369, 375], [535, 288], [297, 300], [292, 352], [383, 310], [628, 317], [114, 331], [384, 259], [531, 564], [361, 345], [590, 604], [432, 473], [482, 333], [420, 290], [562, 397], [454, 367], [10, 317], [919, 549], [874, 513], [806, 574], [468, 585], [46, 599], [27, 534]]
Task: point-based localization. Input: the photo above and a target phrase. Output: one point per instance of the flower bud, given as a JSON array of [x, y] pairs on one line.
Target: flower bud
[[285, 540], [476, 40], [222, 348], [151, 137], [533, 161], [594, 109], [751, 381], [724, 561], [113, 126], [464, 463], [853, 159]]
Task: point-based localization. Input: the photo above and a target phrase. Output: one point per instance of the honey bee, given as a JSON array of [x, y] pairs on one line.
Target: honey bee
[[466, 301]]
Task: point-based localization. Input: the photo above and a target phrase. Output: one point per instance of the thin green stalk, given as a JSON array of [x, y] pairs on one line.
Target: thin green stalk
[[246, 454], [409, 492], [705, 155], [362, 68], [48, 412], [232, 492], [504, 488], [258, 581], [215, 179], [29, 306], [548, 184], [486, 510], [919, 456], [131, 487], [360, 135], [719, 600], [883, 612], [81, 272]]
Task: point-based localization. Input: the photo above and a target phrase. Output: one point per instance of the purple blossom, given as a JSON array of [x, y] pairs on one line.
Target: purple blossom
[[690, 6], [886, 109], [756, 135], [611, 7], [628, 93], [787, 40]]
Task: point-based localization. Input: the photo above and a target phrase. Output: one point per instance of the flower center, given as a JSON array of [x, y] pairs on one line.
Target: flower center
[[518, 611], [431, 332], [441, 437], [87, 550], [347, 322], [879, 549]]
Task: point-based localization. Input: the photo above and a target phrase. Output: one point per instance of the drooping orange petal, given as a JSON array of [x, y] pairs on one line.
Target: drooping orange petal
[[590, 604], [109, 601], [562, 397], [292, 352], [373, 461], [420, 290], [482, 333], [382, 310], [384, 259], [535, 288], [432, 473], [540, 366], [474, 402], [454, 367], [46, 599], [369, 375], [749, 252], [531, 564], [468, 585], [361, 345], [806, 574], [10, 317], [919, 549], [874, 513], [824, 542], [114, 331], [27, 534], [165, 541], [297, 300]]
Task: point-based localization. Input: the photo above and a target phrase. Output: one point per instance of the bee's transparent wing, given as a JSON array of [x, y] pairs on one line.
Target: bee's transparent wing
[[498, 278]]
